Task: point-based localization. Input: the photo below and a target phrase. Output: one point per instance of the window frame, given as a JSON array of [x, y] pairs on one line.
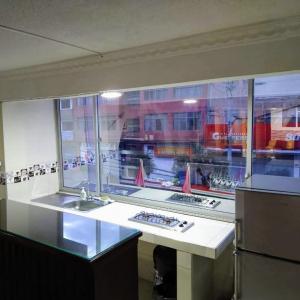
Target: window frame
[[219, 215], [63, 188], [250, 128]]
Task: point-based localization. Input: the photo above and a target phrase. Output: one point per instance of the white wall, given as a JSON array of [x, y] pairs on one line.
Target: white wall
[[29, 136]]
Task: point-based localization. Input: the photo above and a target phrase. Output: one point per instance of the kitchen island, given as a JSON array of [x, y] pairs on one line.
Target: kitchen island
[[50, 254]]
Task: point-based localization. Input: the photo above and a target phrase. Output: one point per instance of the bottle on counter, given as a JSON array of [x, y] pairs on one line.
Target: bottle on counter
[[83, 194]]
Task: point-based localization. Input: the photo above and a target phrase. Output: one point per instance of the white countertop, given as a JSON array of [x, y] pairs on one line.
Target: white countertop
[[206, 237]]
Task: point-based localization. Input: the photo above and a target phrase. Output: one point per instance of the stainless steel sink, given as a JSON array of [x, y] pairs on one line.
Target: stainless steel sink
[[72, 202], [83, 205]]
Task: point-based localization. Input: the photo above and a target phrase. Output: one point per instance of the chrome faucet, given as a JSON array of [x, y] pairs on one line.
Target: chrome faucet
[[89, 197]]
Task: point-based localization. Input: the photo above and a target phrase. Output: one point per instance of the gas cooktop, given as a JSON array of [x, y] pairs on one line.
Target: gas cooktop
[[194, 200], [161, 221]]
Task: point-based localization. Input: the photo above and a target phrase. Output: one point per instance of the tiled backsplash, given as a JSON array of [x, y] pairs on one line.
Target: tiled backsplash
[[25, 174], [41, 169]]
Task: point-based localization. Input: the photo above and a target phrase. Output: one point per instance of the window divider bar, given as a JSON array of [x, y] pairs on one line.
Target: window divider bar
[[97, 145], [249, 149], [60, 156]]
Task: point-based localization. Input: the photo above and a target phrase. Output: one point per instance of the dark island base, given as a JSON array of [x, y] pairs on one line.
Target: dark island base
[[29, 270]]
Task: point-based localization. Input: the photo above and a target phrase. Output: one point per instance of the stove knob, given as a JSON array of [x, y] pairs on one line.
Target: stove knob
[[184, 222], [181, 225]]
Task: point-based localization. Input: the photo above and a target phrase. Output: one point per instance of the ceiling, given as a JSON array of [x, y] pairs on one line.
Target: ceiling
[[108, 25]]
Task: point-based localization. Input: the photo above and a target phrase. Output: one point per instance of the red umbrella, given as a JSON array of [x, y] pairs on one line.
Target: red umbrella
[[139, 178], [186, 188]]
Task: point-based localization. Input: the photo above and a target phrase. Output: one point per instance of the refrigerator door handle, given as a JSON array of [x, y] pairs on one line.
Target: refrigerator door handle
[[237, 275], [238, 233]]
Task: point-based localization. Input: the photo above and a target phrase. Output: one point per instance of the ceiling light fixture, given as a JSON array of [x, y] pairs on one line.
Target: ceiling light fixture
[[111, 94], [190, 101]]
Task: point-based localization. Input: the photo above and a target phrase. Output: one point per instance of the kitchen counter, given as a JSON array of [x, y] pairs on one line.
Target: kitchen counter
[[206, 238], [197, 248]]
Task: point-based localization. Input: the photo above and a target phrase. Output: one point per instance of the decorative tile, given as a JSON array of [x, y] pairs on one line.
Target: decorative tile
[[28, 173]]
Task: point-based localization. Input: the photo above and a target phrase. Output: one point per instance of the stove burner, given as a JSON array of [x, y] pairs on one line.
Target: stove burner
[[161, 221], [195, 200], [157, 219]]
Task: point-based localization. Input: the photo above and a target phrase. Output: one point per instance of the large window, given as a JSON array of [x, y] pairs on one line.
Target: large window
[[197, 135], [78, 142], [168, 136], [276, 136]]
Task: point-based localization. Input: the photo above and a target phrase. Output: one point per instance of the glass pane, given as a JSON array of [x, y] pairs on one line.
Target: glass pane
[[78, 142], [77, 235], [207, 133], [276, 138]]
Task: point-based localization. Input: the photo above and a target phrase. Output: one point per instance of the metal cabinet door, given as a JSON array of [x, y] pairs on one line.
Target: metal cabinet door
[[268, 223], [263, 278]]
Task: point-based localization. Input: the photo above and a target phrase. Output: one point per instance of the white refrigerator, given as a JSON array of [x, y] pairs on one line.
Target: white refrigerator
[[267, 254]]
